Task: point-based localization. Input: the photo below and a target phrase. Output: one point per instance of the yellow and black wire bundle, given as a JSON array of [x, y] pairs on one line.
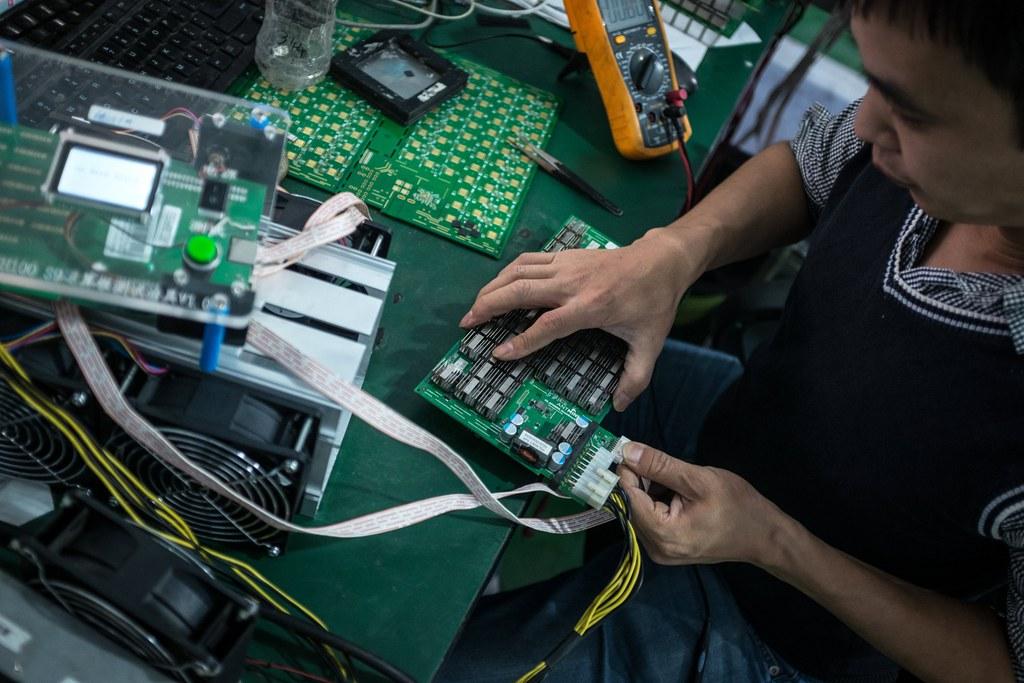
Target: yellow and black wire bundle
[[627, 579], [142, 505]]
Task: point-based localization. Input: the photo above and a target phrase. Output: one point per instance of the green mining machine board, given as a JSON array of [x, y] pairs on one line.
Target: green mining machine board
[[543, 410], [53, 245], [453, 172]]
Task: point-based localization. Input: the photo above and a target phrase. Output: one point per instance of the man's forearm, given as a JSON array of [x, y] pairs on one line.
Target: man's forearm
[[760, 206], [934, 637]]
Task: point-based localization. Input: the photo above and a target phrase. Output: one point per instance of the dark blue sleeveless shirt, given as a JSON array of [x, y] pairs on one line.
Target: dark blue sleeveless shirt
[[888, 434]]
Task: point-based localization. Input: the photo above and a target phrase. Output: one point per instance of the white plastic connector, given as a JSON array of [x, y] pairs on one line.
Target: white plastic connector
[[617, 448], [596, 482]]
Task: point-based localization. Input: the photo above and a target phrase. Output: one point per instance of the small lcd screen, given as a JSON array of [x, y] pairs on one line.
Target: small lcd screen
[[108, 178], [399, 72], [622, 14]]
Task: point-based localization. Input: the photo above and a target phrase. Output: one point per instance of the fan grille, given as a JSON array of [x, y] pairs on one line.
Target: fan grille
[[211, 516], [109, 620], [30, 447]]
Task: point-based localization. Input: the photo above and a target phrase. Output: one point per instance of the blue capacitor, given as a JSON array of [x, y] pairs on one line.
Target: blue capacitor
[[213, 339], [258, 119], [582, 422], [8, 102], [508, 430]]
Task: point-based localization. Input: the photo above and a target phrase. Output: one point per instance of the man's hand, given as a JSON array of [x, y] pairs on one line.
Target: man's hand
[[631, 292], [713, 515]]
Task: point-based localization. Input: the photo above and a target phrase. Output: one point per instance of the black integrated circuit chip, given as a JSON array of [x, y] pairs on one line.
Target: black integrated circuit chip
[[213, 198]]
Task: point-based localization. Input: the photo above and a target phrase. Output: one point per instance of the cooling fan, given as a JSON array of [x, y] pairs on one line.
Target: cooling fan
[[108, 620], [154, 601], [272, 485], [257, 444], [30, 448]]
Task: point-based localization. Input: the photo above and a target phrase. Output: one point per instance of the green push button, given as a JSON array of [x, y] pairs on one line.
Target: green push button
[[201, 250]]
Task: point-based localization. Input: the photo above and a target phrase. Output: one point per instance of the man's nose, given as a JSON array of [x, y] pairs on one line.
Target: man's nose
[[874, 122]]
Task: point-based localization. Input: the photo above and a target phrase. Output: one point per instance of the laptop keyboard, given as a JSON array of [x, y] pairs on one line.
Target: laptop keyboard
[[203, 43]]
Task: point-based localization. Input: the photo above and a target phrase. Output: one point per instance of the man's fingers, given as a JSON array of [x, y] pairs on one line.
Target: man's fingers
[[627, 477], [531, 265], [550, 326], [640, 504], [517, 272], [647, 514], [520, 267], [543, 293], [636, 373], [651, 463]]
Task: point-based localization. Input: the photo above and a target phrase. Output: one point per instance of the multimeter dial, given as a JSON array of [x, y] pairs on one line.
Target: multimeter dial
[[646, 71]]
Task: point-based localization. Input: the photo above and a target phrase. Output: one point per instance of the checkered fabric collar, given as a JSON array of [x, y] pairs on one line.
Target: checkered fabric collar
[[1013, 309], [979, 302]]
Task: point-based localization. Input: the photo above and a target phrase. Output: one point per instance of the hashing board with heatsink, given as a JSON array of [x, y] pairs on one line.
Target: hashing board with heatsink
[[543, 410]]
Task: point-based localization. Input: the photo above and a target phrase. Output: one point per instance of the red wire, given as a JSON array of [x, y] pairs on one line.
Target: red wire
[[287, 669], [689, 174]]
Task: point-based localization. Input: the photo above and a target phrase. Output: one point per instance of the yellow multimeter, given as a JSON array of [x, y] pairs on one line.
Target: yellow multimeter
[[624, 40]]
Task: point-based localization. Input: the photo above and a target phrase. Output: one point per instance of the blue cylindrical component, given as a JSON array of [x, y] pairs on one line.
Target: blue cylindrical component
[[8, 102], [258, 119], [213, 339]]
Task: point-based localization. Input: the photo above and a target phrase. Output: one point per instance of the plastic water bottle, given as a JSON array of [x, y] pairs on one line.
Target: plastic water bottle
[[294, 45]]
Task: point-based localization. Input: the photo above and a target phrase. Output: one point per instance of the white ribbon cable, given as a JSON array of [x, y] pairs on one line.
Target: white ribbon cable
[[335, 219], [375, 413], [384, 419]]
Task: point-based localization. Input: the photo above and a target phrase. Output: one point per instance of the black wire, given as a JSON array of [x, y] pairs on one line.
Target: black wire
[[550, 44], [627, 515], [691, 182], [796, 12], [674, 130], [623, 513], [318, 634]]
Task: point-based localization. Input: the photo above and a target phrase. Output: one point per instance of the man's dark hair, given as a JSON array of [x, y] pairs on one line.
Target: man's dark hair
[[987, 32]]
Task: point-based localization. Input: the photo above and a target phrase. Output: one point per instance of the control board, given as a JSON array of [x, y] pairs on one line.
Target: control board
[[543, 410], [90, 217]]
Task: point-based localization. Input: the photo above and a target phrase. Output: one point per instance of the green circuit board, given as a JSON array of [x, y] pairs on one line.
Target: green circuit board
[[50, 245], [543, 410], [453, 172]]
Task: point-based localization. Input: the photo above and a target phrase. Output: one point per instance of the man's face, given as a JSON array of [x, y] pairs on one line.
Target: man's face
[[938, 126]]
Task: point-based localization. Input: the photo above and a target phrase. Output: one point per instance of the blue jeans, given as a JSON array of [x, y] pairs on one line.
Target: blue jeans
[[656, 635]]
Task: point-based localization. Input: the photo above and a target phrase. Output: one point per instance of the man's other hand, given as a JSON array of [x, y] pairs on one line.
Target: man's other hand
[[712, 516], [631, 292]]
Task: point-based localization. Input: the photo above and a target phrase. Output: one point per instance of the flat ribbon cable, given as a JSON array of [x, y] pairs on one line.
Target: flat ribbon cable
[[372, 411], [335, 219]]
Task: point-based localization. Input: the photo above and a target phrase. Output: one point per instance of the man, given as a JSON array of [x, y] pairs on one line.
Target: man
[[861, 491]]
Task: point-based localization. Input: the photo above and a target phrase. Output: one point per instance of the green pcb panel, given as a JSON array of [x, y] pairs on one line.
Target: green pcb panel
[[543, 410], [57, 245], [453, 172]]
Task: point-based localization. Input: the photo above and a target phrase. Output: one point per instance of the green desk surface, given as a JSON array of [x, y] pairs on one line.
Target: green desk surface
[[405, 595]]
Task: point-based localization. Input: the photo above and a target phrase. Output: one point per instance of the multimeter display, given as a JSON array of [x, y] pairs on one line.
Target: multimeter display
[[622, 14]]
